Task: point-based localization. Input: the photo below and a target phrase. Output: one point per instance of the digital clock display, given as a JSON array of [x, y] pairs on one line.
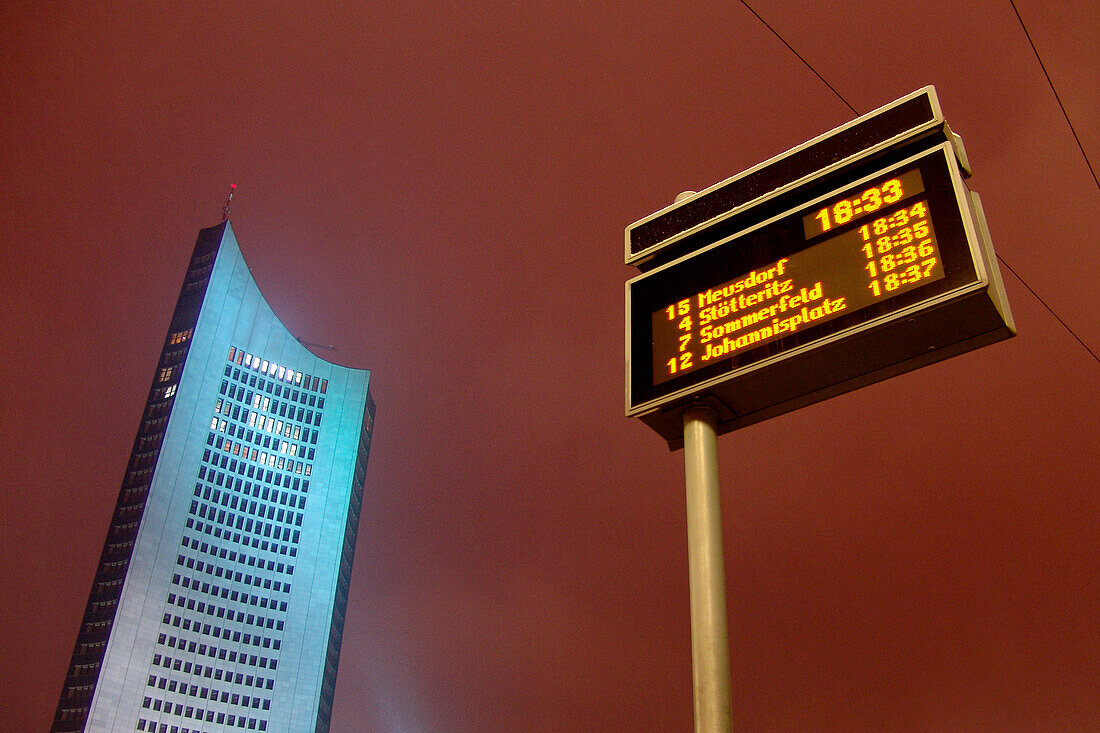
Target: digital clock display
[[867, 201], [869, 250]]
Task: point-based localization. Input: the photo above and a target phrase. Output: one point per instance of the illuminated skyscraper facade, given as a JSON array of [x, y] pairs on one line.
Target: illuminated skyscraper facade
[[219, 600]]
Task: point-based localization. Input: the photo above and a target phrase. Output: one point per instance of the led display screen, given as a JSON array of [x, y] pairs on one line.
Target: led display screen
[[866, 251], [881, 259]]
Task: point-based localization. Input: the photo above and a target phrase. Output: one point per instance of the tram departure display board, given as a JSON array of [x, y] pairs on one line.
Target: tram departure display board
[[884, 256], [880, 250]]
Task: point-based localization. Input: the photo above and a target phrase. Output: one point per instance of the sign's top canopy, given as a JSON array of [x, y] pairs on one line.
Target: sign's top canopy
[[893, 130]]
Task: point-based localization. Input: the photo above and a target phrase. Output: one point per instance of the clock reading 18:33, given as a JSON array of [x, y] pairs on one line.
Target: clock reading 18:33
[[865, 202]]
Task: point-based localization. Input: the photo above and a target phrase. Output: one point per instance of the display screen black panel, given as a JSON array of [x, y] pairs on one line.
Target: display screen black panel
[[865, 252]]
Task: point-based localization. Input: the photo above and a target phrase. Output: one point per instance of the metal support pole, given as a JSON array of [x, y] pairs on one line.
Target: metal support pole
[[710, 664]]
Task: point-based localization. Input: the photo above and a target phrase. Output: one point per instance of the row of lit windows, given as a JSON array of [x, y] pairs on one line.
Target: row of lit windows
[[274, 428], [80, 712], [99, 607], [271, 423], [257, 543], [272, 478], [276, 371], [164, 393], [288, 449], [108, 586], [272, 460], [261, 441], [235, 576], [232, 465], [93, 627], [77, 692], [241, 387], [179, 337], [277, 427], [224, 593], [234, 556], [249, 410]]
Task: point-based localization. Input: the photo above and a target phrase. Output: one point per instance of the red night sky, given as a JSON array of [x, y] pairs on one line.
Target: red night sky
[[440, 191]]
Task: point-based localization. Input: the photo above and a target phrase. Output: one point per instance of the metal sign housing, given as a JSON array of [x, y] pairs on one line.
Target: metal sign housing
[[887, 269], [891, 130]]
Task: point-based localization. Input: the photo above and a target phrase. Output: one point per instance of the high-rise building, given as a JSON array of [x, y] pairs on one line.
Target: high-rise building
[[219, 600]]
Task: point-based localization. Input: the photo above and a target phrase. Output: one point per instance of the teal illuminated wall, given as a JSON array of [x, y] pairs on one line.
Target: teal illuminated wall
[[220, 596]]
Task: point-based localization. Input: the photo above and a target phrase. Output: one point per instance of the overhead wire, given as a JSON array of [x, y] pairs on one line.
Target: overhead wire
[[1056, 316], [1056, 95], [804, 61], [853, 109]]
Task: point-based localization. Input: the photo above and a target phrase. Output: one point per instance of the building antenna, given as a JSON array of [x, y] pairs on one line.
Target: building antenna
[[310, 344], [228, 201]]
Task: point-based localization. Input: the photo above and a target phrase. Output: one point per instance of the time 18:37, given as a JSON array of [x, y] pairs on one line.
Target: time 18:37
[[911, 274]]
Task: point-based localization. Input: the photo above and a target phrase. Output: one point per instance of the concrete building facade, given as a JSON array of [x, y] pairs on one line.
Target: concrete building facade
[[219, 600]]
